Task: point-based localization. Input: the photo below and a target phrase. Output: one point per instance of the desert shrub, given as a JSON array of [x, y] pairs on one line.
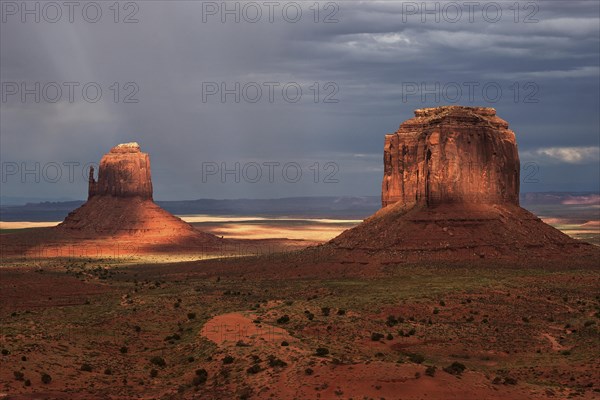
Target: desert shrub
[[159, 361], [322, 351], [416, 358], [566, 352], [588, 323], [436, 311], [341, 312], [108, 371], [5, 352], [308, 371], [283, 319], [19, 376], [471, 318], [245, 393], [153, 373], [284, 343], [27, 382], [176, 305], [201, 377], [310, 316], [389, 336], [123, 349], [442, 303], [391, 321], [254, 369], [191, 315], [417, 375], [46, 379], [375, 336], [497, 380], [191, 359], [197, 381], [137, 328], [525, 319], [23, 358], [228, 360], [430, 371], [455, 368], [241, 343], [325, 311], [510, 381], [276, 362], [86, 367], [412, 332]]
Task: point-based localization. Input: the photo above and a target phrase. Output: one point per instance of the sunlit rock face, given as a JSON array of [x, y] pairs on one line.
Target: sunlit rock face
[[451, 154], [451, 192], [123, 172], [120, 206]]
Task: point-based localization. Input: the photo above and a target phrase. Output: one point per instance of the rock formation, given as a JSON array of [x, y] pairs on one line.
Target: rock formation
[[120, 207], [451, 190], [451, 154], [124, 172]]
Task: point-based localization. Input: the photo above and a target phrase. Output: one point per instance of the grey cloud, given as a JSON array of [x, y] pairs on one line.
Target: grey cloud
[[370, 55]]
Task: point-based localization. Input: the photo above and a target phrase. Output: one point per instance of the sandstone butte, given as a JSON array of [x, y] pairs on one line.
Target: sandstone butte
[[118, 219], [120, 207], [451, 191]]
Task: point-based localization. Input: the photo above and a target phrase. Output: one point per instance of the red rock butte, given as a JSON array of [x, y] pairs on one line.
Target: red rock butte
[[124, 172], [451, 154], [120, 207], [451, 191]]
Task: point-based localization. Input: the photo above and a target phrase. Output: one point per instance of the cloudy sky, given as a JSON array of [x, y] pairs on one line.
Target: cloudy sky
[[289, 87]]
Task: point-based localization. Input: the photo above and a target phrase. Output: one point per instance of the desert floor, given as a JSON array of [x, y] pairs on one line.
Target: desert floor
[[267, 323], [273, 327]]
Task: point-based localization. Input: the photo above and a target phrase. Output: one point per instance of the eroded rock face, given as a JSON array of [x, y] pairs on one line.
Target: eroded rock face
[[450, 192], [451, 154], [123, 172], [120, 207]]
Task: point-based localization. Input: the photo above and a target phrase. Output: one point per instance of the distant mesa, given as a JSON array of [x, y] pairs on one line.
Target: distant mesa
[[450, 190]]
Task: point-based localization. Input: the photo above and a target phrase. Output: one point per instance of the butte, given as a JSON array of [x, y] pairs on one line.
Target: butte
[[119, 218], [120, 207], [451, 191]]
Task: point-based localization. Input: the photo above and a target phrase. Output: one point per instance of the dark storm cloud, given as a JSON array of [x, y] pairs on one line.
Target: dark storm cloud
[[372, 54]]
